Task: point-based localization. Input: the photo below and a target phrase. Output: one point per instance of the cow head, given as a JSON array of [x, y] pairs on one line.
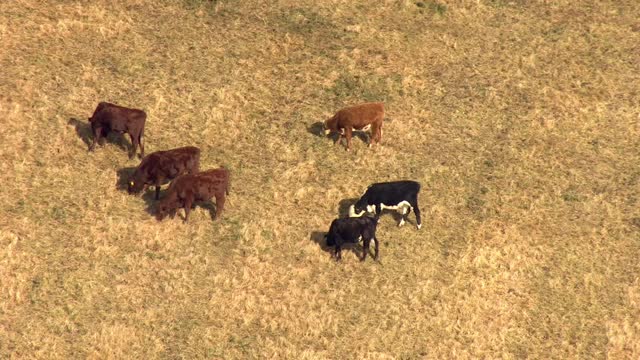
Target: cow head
[[329, 240], [325, 127], [135, 185]]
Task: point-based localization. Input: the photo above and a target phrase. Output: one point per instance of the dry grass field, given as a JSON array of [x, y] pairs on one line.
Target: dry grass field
[[521, 119]]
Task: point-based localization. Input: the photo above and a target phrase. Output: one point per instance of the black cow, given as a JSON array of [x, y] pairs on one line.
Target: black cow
[[397, 195], [110, 117], [162, 166], [350, 230]]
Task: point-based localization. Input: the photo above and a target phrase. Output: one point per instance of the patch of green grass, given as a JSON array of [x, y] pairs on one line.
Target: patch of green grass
[[433, 7], [194, 4], [305, 21], [367, 87]]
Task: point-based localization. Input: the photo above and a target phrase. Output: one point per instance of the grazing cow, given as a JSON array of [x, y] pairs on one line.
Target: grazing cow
[[360, 117], [161, 166], [350, 230], [397, 195], [110, 117], [189, 188]]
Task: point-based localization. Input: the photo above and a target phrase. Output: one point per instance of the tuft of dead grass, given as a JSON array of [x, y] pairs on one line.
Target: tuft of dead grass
[[520, 120]]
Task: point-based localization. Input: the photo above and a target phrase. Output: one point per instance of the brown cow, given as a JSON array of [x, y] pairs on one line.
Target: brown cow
[[359, 117], [186, 189], [161, 166], [110, 117]]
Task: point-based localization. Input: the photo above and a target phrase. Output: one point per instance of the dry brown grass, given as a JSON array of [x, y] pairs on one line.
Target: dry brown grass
[[520, 119]]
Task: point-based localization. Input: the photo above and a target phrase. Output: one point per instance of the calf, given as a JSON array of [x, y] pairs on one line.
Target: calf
[[189, 188], [351, 230], [161, 166], [398, 195], [360, 117], [110, 117]]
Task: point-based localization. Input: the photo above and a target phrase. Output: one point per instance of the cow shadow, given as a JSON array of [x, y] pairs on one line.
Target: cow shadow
[[396, 215], [362, 135], [210, 206], [343, 206], [318, 237], [149, 198], [151, 204], [84, 131]]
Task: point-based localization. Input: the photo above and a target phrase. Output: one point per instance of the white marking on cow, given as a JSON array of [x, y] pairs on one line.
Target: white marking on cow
[[419, 226], [401, 222], [403, 207], [352, 212], [366, 128], [371, 208]]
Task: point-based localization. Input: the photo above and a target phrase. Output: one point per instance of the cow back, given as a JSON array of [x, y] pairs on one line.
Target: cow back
[[360, 115], [119, 118]]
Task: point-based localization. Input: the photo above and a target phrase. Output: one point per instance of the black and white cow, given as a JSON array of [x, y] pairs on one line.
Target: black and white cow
[[396, 195], [350, 231]]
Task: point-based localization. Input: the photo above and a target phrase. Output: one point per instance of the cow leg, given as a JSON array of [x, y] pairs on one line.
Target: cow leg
[[416, 210], [375, 256], [141, 142], [378, 210], [134, 145], [219, 206], [405, 214], [348, 132], [187, 207], [338, 249], [97, 132], [365, 248], [339, 138], [103, 139], [374, 135], [157, 190]]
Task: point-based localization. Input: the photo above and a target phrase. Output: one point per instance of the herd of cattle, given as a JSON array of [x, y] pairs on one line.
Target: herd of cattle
[[181, 167]]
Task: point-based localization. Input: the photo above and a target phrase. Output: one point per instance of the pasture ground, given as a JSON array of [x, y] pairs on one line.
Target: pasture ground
[[519, 118]]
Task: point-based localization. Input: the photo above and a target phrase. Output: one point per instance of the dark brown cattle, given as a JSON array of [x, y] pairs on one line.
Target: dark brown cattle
[[187, 189], [110, 117], [161, 166], [358, 117]]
